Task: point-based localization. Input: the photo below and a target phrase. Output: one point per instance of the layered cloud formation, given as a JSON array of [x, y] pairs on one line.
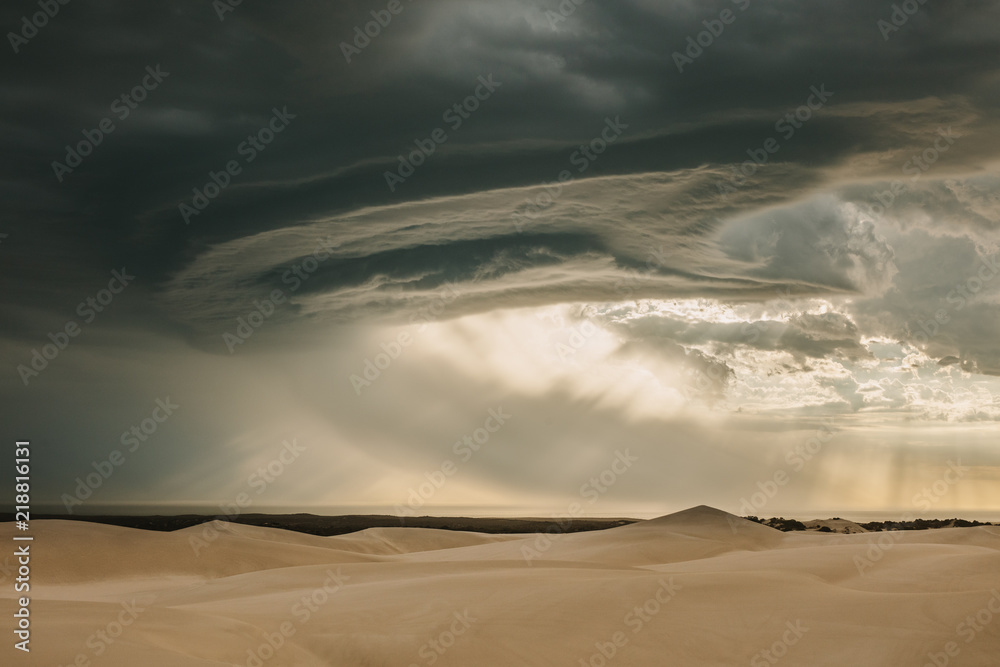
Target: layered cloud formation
[[702, 265]]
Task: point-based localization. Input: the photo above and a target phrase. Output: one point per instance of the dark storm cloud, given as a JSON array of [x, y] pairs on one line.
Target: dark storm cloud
[[662, 213], [560, 80]]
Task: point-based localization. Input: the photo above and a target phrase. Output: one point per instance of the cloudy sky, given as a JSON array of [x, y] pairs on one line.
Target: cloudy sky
[[501, 257]]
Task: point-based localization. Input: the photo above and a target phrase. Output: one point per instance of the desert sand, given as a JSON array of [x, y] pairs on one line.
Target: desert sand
[[700, 587]]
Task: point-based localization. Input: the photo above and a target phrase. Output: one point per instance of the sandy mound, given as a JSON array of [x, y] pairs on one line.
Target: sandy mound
[[835, 526]]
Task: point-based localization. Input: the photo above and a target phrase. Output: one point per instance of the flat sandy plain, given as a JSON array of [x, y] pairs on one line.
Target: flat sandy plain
[[700, 587]]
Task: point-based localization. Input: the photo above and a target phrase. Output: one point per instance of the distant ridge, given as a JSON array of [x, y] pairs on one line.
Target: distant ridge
[[708, 522], [326, 526]]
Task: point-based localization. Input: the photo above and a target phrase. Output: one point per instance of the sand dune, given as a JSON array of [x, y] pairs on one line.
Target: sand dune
[[700, 587]]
